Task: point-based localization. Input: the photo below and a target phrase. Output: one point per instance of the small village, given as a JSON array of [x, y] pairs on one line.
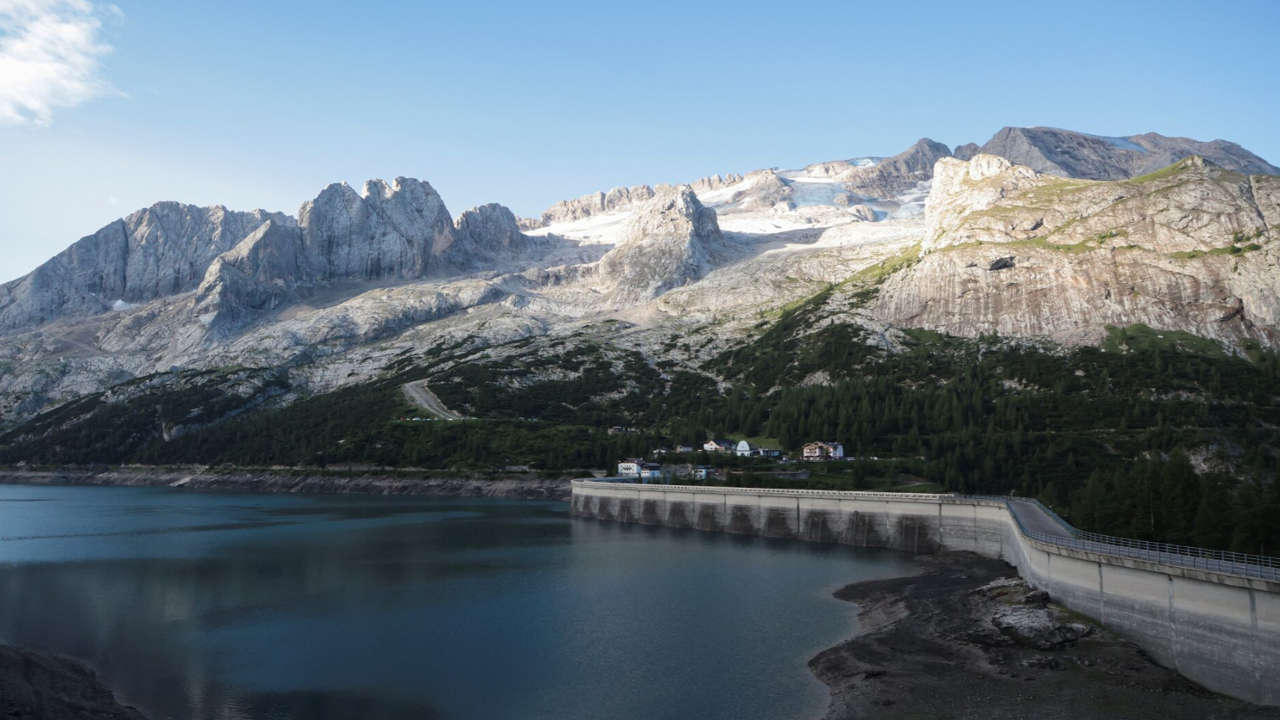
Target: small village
[[659, 470]]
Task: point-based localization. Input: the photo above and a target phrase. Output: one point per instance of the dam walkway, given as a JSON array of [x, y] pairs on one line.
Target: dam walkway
[[1040, 523]]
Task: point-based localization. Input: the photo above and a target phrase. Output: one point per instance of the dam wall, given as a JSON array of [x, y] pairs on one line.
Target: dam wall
[[1214, 621]]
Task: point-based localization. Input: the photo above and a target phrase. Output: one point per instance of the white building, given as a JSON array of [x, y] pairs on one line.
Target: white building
[[640, 470], [717, 446], [630, 467], [823, 451]]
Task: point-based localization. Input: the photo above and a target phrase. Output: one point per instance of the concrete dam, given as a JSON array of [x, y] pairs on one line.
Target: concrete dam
[[1212, 616]]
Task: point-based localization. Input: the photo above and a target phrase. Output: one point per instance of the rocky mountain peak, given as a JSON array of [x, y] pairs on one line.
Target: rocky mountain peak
[[1080, 155], [672, 240], [153, 252], [486, 236], [595, 203], [1190, 247], [896, 175], [922, 155], [961, 187], [673, 212], [391, 231]]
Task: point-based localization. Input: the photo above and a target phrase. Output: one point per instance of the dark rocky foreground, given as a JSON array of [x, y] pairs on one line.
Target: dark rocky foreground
[[44, 687], [513, 485], [966, 639]]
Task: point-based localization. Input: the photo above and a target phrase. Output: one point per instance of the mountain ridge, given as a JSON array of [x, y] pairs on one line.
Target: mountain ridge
[[389, 268]]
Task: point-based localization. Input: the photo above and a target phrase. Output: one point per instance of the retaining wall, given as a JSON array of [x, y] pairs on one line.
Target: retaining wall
[[1221, 630]]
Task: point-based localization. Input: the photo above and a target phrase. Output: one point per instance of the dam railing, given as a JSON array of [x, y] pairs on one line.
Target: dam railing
[[1263, 567], [1197, 558]]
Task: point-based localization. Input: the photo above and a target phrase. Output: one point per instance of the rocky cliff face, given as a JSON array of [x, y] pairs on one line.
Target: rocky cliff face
[[671, 241], [960, 189], [257, 275], [622, 198], [759, 190], [596, 203], [400, 231], [485, 236], [898, 174], [712, 183], [152, 253], [397, 230], [1010, 251], [1079, 155]]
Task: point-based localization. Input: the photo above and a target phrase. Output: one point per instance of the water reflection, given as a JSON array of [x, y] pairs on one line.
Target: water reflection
[[209, 606]]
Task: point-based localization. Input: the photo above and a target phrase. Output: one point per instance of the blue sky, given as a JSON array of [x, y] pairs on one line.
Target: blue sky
[[108, 108]]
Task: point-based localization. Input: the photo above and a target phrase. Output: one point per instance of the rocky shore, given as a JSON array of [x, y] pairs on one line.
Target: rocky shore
[[527, 486], [45, 687], [968, 639]]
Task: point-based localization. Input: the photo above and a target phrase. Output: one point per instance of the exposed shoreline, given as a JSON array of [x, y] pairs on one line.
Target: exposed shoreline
[[527, 486], [929, 646], [39, 686]]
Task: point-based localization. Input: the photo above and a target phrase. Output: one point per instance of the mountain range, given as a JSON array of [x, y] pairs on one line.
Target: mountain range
[[1039, 235]]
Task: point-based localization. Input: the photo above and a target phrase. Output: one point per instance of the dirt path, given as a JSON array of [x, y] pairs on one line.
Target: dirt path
[[931, 648]]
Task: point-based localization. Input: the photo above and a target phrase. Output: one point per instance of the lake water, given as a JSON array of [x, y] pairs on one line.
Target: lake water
[[198, 605]]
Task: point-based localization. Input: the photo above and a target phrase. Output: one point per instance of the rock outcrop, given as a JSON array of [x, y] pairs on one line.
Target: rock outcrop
[[1006, 250], [623, 198], [898, 174], [36, 686], [397, 230], [255, 276], [672, 241], [400, 231], [712, 183], [1080, 155], [596, 203], [485, 237], [961, 188], [863, 213], [152, 253], [759, 190]]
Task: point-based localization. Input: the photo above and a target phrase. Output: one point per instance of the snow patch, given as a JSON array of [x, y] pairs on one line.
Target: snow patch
[[712, 198], [602, 227], [120, 305], [808, 192], [910, 204]]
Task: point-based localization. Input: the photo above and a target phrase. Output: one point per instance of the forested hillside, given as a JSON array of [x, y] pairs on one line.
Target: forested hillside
[[1152, 435]]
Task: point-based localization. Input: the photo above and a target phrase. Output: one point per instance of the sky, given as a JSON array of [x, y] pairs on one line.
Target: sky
[[107, 108]]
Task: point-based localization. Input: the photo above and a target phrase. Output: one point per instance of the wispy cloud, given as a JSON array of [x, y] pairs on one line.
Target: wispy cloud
[[50, 57]]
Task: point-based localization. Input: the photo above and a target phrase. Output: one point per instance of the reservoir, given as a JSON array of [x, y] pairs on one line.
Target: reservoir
[[200, 605]]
